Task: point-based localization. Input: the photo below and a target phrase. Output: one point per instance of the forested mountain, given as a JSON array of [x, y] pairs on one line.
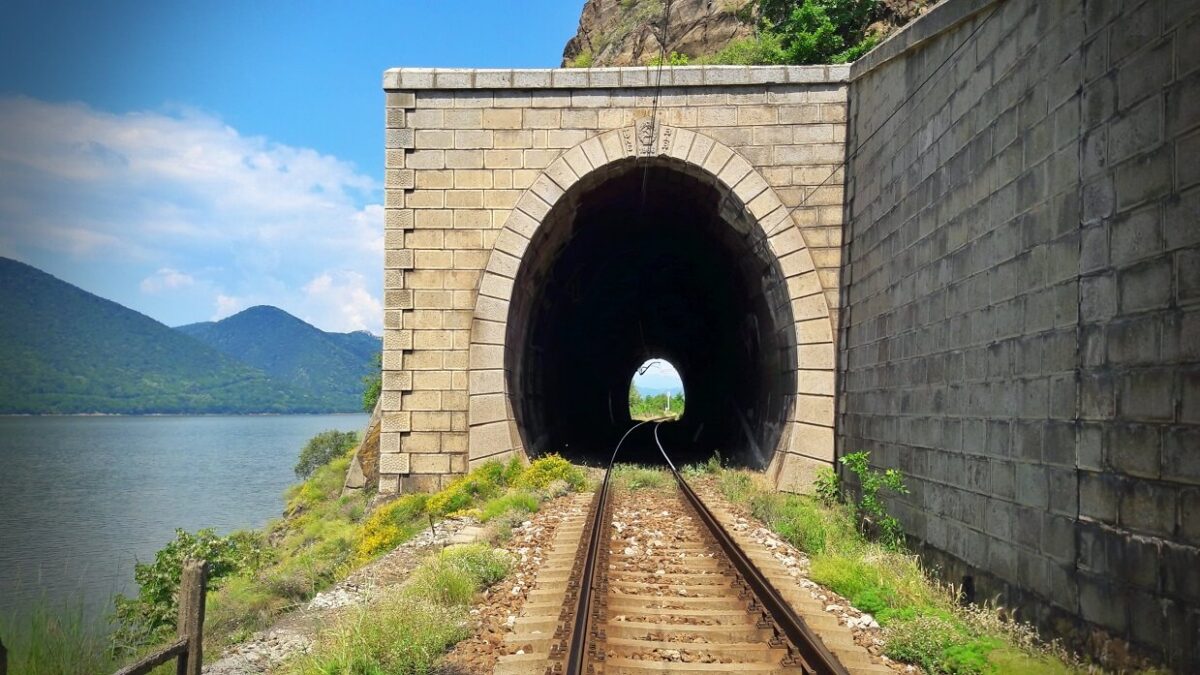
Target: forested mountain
[[64, 350], [330, 365]]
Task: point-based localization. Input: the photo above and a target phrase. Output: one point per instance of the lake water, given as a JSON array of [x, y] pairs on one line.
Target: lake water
[[84, 498]]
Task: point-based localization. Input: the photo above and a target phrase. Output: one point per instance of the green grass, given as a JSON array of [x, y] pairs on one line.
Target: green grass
[[56, 640], [515, 503], [923, 622], [635, 477], [409, 630]]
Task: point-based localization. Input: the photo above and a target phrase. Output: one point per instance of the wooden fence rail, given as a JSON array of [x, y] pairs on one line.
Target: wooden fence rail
[[188, 649]]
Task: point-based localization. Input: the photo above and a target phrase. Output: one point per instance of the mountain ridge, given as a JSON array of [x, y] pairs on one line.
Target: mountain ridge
[[68, 351]]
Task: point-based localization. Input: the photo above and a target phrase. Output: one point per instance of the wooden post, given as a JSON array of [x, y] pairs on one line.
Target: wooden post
[[3, 660], [193, 584]]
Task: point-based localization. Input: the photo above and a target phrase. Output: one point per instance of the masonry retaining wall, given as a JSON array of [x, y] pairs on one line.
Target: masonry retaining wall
[[1021, 305]]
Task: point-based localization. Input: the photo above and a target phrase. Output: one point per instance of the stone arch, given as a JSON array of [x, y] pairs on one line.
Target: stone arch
[[492, 425]]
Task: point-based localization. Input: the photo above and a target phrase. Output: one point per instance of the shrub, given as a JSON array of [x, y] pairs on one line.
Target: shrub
[[549, 468], [323, 448], [764, 49], [818, 31], [150, 617]]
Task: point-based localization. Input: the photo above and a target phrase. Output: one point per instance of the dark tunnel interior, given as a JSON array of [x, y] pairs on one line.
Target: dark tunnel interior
[[648, 261]]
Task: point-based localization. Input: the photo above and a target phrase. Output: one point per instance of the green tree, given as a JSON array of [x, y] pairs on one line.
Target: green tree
[[372, 385], [322, 448], [819, 31]]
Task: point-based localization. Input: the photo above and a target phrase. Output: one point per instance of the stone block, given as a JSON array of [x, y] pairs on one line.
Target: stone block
[[797, 474], [1146, 286], [393, 463], [1146, 395], [430, 463], [1148, 507]]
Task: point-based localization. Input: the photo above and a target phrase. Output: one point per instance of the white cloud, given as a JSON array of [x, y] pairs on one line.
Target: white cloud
[[227, 305], [253, 221], [343, 298], [166, 279]]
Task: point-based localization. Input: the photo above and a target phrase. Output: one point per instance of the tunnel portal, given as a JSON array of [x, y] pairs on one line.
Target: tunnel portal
[[650, 259]]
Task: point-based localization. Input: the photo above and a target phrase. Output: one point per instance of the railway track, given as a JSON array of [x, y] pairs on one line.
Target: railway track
[[652, 582]]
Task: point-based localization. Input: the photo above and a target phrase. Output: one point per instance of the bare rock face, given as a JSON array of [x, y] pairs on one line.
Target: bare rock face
[[364, 467], [625, 32]]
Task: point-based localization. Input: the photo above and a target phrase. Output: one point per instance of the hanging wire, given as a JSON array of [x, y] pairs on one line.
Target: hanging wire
[[661, 36]]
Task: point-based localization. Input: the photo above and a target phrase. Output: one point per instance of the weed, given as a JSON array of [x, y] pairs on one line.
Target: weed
[[827, 486], [870, 507]]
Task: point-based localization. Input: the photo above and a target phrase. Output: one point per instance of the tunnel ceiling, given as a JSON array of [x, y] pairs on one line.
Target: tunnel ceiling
[[648, 261]]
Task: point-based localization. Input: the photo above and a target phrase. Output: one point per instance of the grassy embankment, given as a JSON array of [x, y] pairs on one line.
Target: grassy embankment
[[257, 576], [923, 621]]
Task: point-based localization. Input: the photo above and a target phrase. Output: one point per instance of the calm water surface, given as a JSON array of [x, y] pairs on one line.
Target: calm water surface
[[84, 498]]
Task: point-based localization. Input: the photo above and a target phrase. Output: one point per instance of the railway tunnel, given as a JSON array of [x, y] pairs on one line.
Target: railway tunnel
[[650, 259]]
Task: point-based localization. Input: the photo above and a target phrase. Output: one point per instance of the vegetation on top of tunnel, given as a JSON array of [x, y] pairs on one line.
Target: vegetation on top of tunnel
[[924, 621], [796, 32]]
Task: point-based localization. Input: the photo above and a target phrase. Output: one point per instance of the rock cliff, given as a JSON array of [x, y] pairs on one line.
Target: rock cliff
[[623, 32]]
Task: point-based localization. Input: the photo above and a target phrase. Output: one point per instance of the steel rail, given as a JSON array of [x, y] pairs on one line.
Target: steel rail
[[577, 653], [817, 659]]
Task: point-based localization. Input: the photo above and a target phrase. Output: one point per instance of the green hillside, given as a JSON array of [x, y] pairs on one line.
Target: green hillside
[[330, 365], [64, 350]]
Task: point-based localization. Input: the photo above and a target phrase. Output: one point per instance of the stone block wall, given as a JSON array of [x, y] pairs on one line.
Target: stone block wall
[[1020, 330], [466, 147]]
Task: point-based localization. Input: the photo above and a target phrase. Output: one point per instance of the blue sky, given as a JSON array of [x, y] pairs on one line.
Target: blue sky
[[192, 159], [659, 374]]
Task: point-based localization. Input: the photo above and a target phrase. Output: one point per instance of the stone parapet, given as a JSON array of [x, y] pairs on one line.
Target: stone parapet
[[639, 77]]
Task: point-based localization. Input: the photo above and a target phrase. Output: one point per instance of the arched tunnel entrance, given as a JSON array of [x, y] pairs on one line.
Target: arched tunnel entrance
[[649, 258]]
